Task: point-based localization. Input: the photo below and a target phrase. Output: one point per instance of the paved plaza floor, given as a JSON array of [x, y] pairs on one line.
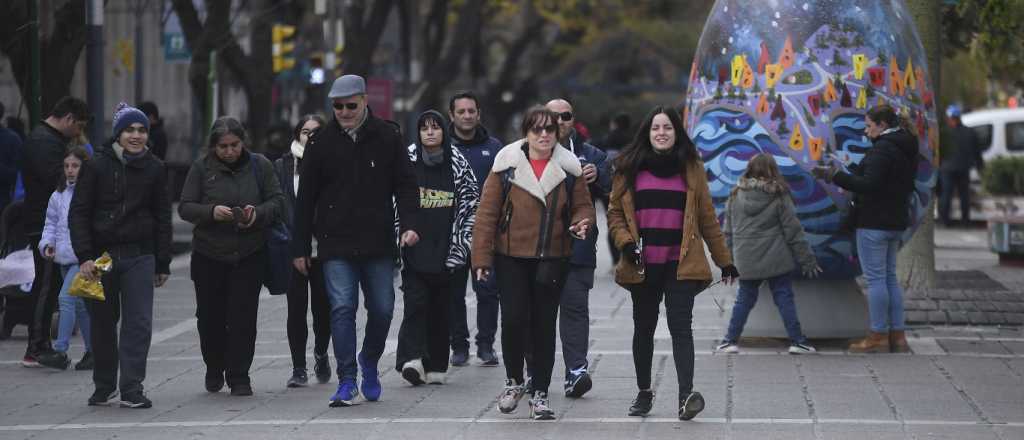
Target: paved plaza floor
[[961, 382]]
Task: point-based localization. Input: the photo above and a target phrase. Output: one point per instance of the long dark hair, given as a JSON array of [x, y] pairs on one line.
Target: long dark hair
[[885, 113], [640, 150]]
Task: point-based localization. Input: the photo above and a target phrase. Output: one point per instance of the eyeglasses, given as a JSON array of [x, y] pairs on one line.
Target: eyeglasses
[[346, 105], [538, 130], [565, 116]]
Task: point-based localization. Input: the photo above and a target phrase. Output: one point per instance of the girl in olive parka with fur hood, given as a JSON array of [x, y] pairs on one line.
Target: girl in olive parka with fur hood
[[767, 243]]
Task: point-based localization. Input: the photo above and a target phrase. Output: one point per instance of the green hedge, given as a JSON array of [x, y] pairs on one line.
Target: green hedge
[[1004, 176]]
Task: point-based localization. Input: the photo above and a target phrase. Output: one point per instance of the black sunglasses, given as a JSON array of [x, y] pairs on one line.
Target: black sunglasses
[[348, 105], [565, 116], [538, 130]]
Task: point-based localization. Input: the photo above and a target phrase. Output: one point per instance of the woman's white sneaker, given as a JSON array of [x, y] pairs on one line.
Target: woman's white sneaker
[[727, 347], [437, 377], [539, 409], [801, 349], [510, 396], [412, 372]]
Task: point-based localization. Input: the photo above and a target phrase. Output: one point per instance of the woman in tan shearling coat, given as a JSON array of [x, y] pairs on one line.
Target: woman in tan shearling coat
[[534, 203]]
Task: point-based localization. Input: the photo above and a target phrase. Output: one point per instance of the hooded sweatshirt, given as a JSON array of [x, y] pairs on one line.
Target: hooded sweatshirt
[[437, 202], [763, 232], [883, 182], [479, 151]]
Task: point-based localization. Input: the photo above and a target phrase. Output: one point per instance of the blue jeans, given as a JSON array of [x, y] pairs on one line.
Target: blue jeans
[[72, 310], [877, 252], [343, 278], [782, 293]]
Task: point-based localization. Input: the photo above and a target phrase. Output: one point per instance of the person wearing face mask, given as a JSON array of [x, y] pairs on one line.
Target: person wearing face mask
[[535, 202], [304, 292], [231, 196], [121, 206], [660, 217], [435, 268], [881, 186]]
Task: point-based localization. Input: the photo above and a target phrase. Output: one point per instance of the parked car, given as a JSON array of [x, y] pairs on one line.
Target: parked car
[[1000, 131]]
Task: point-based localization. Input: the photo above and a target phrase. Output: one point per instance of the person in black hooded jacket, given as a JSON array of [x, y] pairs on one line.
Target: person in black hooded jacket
[[882, 185], [435, 268]]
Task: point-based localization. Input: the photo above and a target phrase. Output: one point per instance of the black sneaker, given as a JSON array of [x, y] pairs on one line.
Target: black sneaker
[[241, 389], [487, 357], [460, 358], [578, 383], [322, 369], [102, 397], [87, 362], [214, 381], [299, 378], [54, 359], [135, 400], [692, 405], [642, 404]]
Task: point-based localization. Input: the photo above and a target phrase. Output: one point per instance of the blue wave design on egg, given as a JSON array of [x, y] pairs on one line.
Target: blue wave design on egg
[[728, 138]]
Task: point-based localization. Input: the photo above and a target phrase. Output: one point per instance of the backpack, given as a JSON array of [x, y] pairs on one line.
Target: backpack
[[278, 272]]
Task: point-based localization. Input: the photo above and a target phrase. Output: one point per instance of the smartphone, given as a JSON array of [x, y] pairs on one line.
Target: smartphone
[[239, 214]]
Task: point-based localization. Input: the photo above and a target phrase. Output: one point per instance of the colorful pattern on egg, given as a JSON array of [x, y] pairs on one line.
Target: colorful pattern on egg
[[820, 66]]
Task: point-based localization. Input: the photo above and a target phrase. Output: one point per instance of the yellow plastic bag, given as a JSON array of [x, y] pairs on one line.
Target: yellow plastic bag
[[84, 288]]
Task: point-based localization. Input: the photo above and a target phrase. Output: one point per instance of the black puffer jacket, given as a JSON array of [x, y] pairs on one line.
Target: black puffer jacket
[[121, 203], [346, 190], [883, 181]]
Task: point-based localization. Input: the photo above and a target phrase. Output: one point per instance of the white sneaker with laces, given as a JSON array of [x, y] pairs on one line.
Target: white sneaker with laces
[[437, 377], [727, 347], [539, 409], [801, 349], [412, 372]]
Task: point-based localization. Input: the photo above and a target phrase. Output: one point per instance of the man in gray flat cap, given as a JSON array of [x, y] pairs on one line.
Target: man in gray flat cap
[[352, 168]]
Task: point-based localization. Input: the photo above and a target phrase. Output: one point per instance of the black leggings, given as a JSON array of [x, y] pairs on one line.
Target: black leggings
[[302, 292], [679, 297], [529, 311]]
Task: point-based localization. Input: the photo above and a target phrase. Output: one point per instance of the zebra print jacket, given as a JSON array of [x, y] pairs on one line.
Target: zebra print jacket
[[467, 198]]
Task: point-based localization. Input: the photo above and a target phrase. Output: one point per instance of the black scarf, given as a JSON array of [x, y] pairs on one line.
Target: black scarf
[[662, 164]]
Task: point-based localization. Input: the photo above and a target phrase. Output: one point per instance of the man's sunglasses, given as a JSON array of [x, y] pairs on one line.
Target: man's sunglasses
[[348, 105], [565, 116], [538, 130]]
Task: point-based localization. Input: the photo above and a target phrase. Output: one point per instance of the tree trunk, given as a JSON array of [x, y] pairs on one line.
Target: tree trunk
[[916, 263], [59, 51], [362, 35]]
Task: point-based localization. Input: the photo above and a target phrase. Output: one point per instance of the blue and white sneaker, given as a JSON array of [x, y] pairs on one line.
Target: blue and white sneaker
[[371, 382], [346, 395]]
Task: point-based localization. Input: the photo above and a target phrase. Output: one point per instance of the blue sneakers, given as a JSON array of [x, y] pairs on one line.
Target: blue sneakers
[[371, 383], [346, 394]]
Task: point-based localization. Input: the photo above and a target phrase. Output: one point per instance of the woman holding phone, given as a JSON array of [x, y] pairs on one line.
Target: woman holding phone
[[230, 195]]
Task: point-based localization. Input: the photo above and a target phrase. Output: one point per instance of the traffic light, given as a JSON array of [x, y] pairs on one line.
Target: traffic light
[[282, 49]]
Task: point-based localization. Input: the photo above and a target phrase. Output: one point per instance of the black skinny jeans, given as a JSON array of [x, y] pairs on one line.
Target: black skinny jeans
[[679, 296], [304, 293], [529, 311], [227, 303]]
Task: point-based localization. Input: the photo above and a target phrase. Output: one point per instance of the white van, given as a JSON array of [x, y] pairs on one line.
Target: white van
[[1000, 131]]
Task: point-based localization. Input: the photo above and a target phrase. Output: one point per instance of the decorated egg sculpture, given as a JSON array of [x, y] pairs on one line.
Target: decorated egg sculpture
[[794, 79]]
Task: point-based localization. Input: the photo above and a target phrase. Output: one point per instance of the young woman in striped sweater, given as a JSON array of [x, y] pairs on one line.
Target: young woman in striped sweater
[[660, 216]]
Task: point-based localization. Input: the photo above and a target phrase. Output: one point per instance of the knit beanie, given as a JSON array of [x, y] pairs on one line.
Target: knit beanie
[[126, 115]]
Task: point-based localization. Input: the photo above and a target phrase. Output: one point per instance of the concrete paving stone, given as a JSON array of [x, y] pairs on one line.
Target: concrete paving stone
[[957, 295], [979, 318], [782, 431], [988, 306], [858, 400], [938, 317], [952, 432], [958, 317], [1014, 318], [769, 401], [1015, 347], [859, 435], [949, 305], [929, 402], [914, 316]]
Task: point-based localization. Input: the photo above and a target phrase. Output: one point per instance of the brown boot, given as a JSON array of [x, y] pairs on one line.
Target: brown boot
[[873, 343], [898, 342]]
